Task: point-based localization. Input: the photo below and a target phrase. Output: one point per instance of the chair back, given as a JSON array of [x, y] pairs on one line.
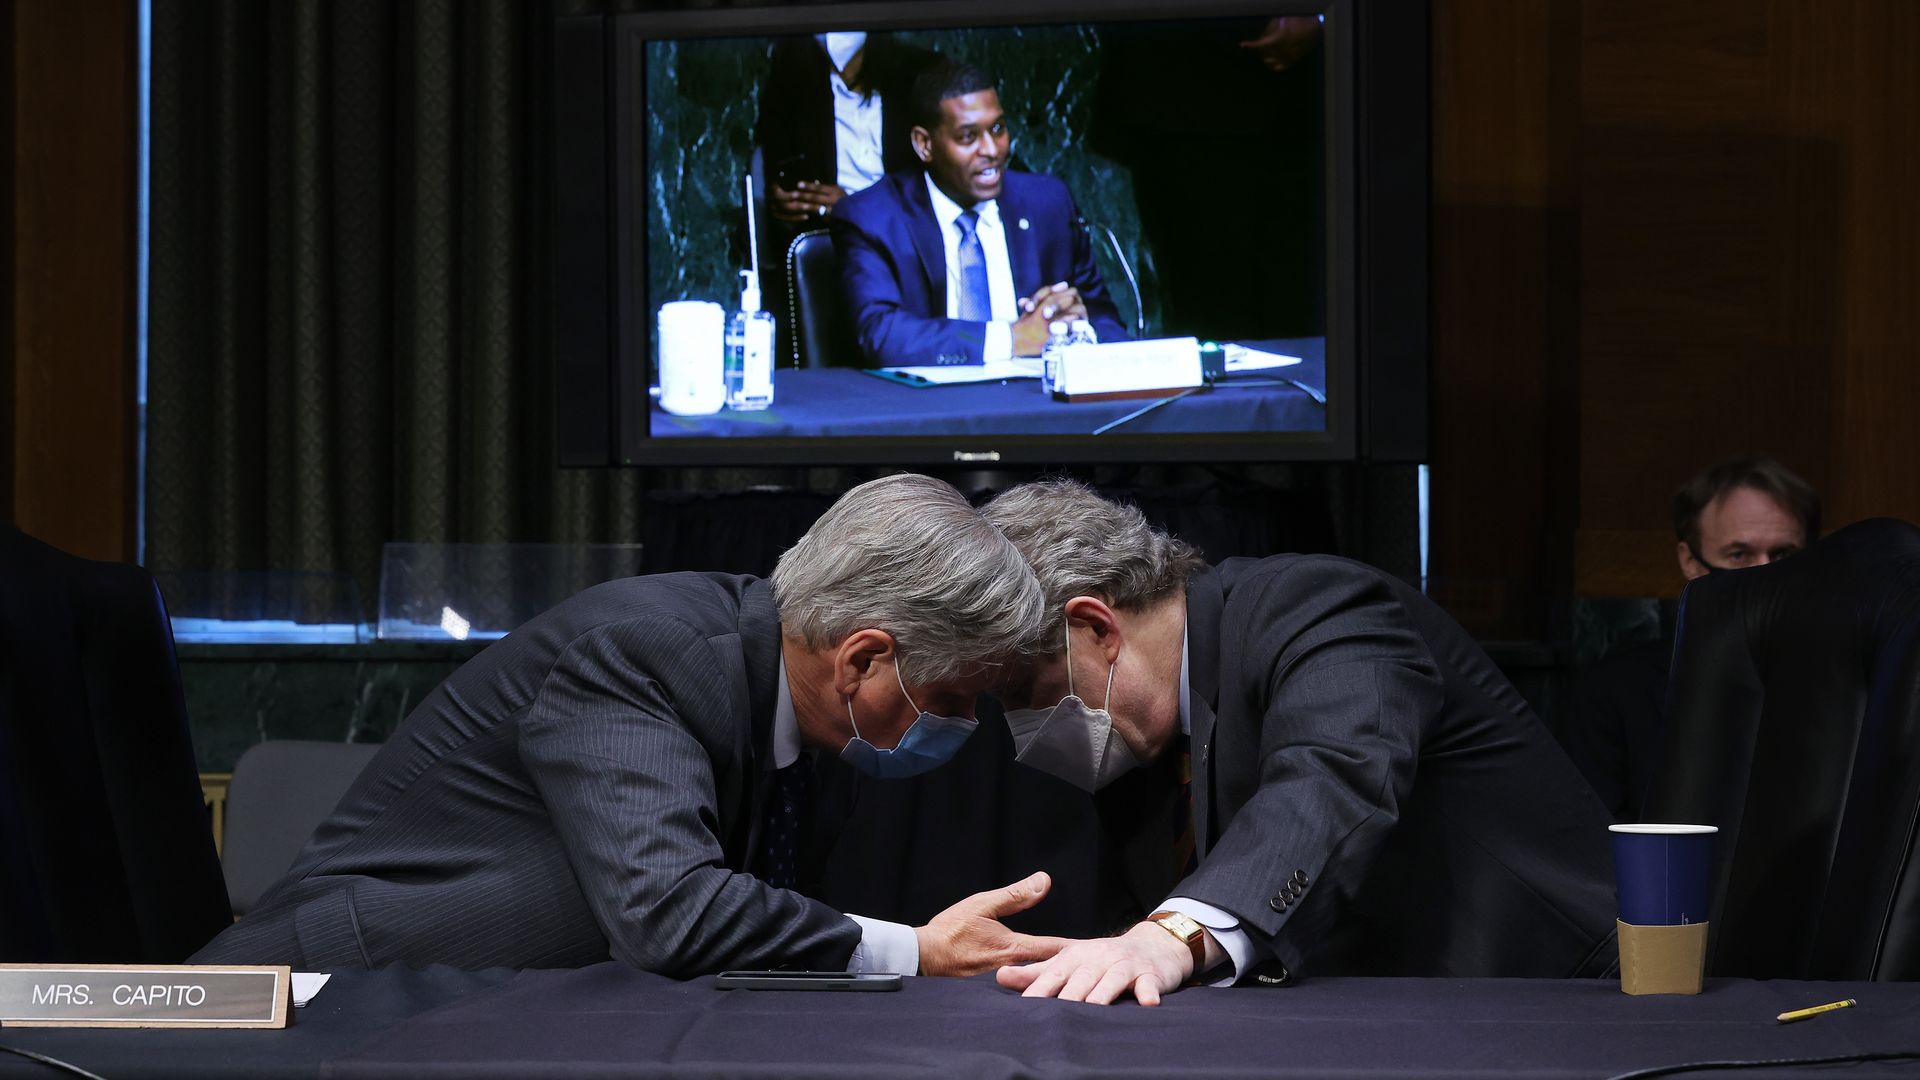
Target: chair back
[[106, 847], [1795, 706], [281, 791], [822, 332]]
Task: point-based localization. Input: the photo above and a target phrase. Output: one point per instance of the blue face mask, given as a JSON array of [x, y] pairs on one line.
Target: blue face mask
[[931, 741]]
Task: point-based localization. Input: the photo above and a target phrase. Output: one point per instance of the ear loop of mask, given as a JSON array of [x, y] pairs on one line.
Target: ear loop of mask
[[916, 707], [1067, 628]]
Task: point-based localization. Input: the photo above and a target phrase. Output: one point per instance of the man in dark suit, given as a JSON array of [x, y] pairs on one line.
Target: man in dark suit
[[1746, 511], [623, 776], [1368, 795], [963, 261]]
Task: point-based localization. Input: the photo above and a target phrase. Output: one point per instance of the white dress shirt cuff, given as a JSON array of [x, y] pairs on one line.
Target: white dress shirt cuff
[[999, 343], [1225, 930], [885, 946]]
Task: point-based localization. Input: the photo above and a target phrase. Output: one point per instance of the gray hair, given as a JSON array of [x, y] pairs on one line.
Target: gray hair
[[906, 554], [1081, 544]]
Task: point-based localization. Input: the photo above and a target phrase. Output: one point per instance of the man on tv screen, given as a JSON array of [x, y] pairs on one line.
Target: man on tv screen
[[964, 261]]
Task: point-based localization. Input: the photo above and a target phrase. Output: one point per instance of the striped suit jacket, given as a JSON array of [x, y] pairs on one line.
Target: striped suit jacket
[[1370, 795], [589, 787]]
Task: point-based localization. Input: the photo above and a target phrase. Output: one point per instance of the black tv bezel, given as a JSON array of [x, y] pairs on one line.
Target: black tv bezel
[[1375, 301]]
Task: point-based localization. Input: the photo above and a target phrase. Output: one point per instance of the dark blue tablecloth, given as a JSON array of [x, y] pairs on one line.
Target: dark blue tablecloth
[[610, 1020], [846, 401]]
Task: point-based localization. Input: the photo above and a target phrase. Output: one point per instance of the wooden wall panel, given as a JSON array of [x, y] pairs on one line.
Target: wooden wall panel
[[71, 424], [1500, 278], [1747, 261]]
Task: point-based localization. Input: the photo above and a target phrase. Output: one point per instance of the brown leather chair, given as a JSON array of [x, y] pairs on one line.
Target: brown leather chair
[[1795, 705]]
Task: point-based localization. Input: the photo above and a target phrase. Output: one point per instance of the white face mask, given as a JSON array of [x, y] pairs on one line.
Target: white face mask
[[841, 47], [1071, 741]]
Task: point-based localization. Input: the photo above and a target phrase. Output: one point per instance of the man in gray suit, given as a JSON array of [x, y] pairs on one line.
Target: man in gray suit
[[1368, 795], [610, 779]]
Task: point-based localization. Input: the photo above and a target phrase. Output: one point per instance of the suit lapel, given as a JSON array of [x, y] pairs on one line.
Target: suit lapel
[[1023, 255], [926, 239], [1205, 600], [760, 651]]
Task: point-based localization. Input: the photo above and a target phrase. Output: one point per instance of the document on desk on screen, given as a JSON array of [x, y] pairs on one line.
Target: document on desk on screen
[[1240, 358]]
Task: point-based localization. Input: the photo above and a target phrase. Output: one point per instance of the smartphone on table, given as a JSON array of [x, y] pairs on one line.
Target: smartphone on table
[[806, 980]]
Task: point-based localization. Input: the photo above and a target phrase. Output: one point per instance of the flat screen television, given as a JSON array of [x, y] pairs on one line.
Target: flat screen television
[[1245, 182]]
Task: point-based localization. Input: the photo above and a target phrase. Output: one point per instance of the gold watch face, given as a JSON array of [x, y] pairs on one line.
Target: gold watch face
[[1182, 925]]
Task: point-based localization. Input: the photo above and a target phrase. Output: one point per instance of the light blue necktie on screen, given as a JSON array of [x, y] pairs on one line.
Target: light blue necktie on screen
[[976, 303]]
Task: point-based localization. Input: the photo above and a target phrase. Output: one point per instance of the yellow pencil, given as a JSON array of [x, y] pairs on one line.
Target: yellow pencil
[[1802, 1014]]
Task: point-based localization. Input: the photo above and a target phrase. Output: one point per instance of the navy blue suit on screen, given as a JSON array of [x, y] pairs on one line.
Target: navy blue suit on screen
[[893, 266]]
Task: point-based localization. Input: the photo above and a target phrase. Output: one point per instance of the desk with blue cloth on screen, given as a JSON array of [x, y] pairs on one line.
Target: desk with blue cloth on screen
[[613, 1020], [852, 402]]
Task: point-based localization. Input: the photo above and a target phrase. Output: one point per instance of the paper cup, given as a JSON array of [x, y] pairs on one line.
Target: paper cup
[[1660, 872], [1661, 875]]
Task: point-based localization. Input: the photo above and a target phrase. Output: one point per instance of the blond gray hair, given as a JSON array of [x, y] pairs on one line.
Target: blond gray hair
[[906, 554], [1081, 544]]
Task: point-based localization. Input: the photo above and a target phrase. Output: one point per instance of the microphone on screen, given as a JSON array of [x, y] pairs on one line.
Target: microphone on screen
[[1126, 268]]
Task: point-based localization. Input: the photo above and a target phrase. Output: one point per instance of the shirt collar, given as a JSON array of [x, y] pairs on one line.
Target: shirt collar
[[786, 726], [946, 211]]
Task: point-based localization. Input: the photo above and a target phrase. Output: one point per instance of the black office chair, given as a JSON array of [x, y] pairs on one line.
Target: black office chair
[[281, 791], [104, 836], [822, 332], [1795, 705]]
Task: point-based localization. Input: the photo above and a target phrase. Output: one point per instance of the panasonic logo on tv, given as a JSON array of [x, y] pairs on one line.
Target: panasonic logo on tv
[[976, 455]]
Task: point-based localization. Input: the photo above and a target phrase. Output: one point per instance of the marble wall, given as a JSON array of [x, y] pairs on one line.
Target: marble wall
[[703, 99], [238, 695]]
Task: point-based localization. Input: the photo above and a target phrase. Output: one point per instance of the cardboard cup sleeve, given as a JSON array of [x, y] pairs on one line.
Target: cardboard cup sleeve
[[1662, 959]]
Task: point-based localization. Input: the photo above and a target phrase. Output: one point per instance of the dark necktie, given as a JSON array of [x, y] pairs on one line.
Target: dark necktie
[[976, 302], [1183, 850], [787, 806]]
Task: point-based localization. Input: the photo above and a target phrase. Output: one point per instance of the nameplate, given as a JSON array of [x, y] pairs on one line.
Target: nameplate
[[160, 995], [1128, 369]]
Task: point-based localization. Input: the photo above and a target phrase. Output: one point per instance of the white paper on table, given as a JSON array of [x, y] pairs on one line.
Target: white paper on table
[[306, 984], [1020, 367], [1241, 358]]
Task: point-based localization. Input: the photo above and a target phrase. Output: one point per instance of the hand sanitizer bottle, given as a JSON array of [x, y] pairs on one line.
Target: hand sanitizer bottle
[[1050, 356], [750, 349]]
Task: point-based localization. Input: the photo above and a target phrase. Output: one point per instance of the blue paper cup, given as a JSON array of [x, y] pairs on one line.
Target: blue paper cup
[[1660, 873]]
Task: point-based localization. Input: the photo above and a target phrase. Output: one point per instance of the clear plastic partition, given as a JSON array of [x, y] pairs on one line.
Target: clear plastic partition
[[263, 606], [440, 592]]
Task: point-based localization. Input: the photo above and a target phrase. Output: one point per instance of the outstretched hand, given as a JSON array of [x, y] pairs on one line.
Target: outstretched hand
[[1145, 960], [968, 938], [1286, 40]]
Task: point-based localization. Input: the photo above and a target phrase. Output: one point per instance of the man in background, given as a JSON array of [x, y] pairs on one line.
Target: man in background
[[963, 261], [833, 120], [1367, 796], [625, 775], [1748, 511]]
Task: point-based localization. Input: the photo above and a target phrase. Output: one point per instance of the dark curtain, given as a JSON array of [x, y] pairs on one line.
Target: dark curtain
[[348, 336]]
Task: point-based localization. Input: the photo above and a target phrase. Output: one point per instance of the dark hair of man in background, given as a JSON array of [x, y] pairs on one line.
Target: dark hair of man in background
[[1755, 471]]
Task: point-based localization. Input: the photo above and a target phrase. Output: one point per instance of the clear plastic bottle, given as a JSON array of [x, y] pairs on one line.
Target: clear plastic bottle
[[1082, 333], [750, 349], [1050, 355]]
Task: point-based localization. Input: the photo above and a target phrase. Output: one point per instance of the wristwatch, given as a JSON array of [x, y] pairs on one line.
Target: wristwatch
[[1187, 930]]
